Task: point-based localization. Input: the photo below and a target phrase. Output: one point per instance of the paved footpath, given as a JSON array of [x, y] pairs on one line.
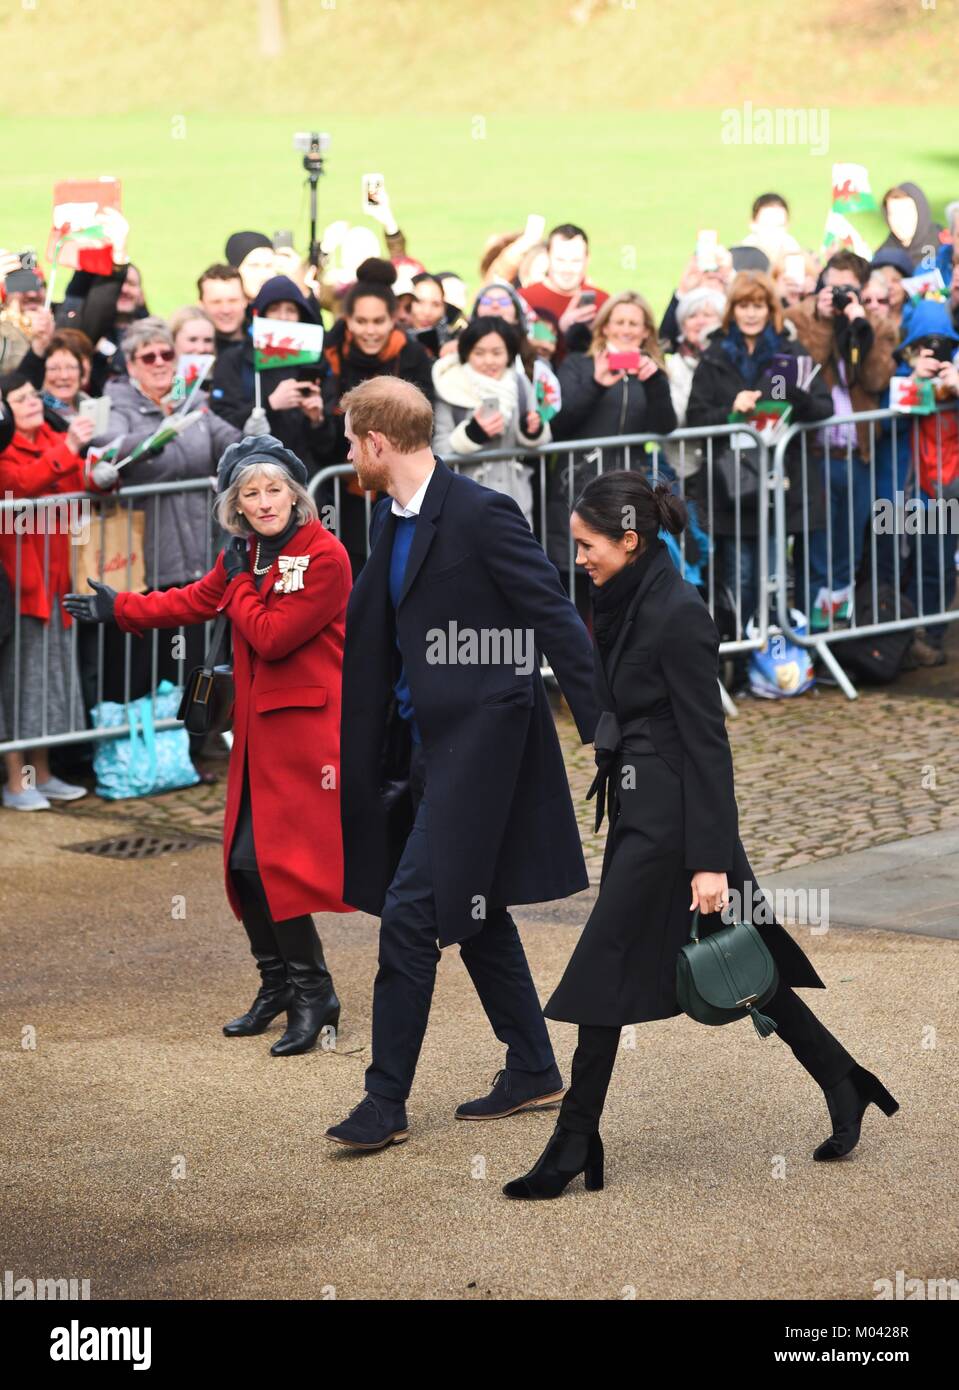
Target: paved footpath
[[144, 1151]]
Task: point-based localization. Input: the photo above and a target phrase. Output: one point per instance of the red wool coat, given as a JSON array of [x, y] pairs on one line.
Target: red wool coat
[[287, 669], [40, 467]]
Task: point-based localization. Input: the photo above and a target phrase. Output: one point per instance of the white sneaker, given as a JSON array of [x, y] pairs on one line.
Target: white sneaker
[[55, 790], [27, 800]]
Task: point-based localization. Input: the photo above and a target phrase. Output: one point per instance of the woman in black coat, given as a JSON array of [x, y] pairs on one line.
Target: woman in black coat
[[737, 369], [666, 775]]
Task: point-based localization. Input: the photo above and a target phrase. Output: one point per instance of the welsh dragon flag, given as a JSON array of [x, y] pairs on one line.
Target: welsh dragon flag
[[840, 232], [77, 241], [277, 343], [910, 395], [850, 189]]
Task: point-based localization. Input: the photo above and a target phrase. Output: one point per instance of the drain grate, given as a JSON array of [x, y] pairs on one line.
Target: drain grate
[[137, 846]]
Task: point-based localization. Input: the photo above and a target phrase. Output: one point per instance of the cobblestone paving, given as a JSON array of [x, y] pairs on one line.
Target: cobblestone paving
[[815, 777]]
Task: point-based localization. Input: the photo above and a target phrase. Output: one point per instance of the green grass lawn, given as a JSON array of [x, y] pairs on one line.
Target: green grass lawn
[[641, 182]]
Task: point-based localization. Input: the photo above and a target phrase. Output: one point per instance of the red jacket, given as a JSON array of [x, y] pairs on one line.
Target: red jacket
[[287, 670], [45, 466], [938, 438]]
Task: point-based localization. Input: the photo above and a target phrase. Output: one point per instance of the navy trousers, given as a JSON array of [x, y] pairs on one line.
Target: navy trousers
[[408, 955]]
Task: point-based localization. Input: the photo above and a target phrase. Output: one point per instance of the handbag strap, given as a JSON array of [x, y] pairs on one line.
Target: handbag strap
[[219, 630]]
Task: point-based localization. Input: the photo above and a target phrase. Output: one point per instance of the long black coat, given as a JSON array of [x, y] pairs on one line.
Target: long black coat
[[676, 813], [716, 383], [502, 826]]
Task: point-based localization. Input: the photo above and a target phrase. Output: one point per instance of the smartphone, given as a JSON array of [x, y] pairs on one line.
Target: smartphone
[[942, 349], [489, 405], [97, 409], [624, 361], [586, 297], [535, 227], [794, 267], [282, 239], [707, 255], [373, 187], [429, 340]]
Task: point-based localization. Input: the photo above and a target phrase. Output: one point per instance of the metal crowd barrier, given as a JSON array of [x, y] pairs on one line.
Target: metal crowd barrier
[[886, 474], [563, 467], [88, 645], [560, 470]]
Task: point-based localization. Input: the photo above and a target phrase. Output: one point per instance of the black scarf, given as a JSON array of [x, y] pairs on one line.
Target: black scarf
[[271, 546], [611, 600]]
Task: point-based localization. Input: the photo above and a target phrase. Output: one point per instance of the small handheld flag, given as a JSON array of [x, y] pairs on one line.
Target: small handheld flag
[[850, 189], [277, 343], [549, 398], [841, 233], [912, 395]]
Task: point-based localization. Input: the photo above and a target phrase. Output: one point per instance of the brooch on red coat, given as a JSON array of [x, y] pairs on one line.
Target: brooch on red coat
[[292, 569]]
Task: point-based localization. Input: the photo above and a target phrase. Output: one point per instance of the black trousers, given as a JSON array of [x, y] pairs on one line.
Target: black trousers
[[408, 956], [812, 1044], [257, 919]]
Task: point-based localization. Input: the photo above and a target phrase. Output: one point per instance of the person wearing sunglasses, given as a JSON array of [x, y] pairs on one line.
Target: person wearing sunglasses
[[876, 299], [179, 545]]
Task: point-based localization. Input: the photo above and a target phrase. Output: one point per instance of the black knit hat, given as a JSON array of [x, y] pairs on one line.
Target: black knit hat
[[240, 244], [262, 448]]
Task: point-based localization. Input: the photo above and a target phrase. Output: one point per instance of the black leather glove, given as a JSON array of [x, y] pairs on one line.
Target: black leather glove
[[92, 608], [234, 558]]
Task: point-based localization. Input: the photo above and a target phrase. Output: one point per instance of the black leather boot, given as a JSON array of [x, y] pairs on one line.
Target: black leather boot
[[314, 1005], [274, 996], [567, 1154], [848, 1101]]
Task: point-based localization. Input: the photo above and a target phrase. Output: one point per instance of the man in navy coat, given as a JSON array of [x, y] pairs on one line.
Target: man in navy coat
[[454, 794]]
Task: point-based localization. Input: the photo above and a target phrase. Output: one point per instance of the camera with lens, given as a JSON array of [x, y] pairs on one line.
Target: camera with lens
[[841, 296], [313, 146], [26, 280]]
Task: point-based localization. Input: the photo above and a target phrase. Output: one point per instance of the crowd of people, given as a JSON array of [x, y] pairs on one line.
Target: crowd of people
[[539, 354]]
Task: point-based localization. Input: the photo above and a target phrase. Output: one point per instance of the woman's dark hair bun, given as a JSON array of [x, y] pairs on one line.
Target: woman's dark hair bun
[[672, 509], [624, 499], [375, 271]]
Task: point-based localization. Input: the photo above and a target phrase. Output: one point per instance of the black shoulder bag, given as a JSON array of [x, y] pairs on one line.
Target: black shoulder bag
[[207, 704]]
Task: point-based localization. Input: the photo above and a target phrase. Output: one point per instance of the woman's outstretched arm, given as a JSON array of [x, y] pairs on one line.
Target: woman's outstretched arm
[[194, 603]]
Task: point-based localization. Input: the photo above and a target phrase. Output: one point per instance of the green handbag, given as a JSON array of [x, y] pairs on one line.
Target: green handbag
[[726, 975]]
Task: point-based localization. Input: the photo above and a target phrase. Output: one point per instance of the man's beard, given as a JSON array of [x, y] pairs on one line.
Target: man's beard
[[373, 475]]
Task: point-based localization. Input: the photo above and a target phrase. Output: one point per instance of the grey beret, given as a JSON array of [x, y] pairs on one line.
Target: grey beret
[[263, 448]]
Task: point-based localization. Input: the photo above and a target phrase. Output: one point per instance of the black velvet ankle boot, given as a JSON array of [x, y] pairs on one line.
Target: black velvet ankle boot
[[567, 1154], [848, 1101]]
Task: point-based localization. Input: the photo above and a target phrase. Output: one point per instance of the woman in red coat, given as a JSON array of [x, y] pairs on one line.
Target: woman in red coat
[[284, 581], [39, 683]]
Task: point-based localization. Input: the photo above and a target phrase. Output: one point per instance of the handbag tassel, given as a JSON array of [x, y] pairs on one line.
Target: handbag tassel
[[763, 1024]]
